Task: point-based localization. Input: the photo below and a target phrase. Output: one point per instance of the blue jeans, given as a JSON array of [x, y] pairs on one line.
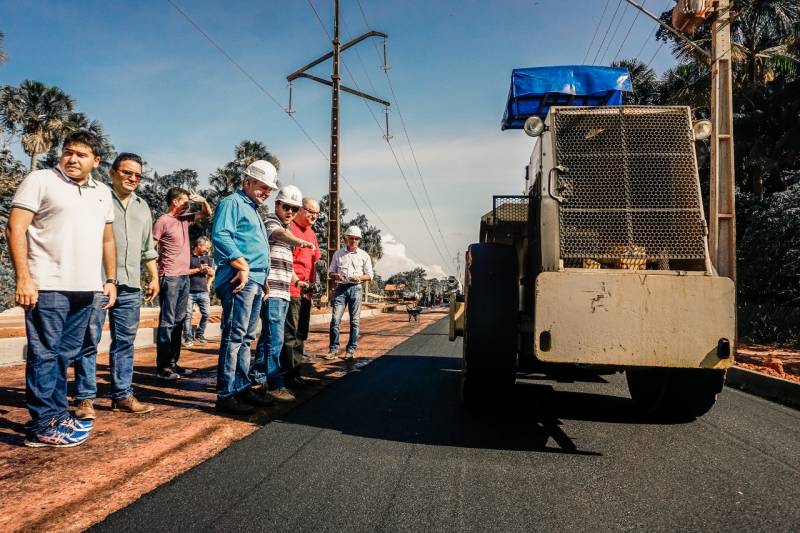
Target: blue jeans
[[239, 324], [55, 327], [173, 297], [266, 368], [123, 321], [351, 296], [204, 304]]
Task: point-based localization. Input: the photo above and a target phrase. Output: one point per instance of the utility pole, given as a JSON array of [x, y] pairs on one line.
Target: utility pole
[[722, 186], [336, 86], [722, 199]]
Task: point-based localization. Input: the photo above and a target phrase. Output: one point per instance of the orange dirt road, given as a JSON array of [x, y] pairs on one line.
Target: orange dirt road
[[128, 455]]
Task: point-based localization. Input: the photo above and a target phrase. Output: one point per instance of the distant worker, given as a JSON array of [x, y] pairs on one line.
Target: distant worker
[[241, 251], [133, 234], [171, 232], [350, 267], [201, 276], [61, 240], [299, 316], [266, 369]]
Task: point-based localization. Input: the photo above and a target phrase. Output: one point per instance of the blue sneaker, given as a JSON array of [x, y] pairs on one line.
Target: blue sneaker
[[75, 424], [57, 435]]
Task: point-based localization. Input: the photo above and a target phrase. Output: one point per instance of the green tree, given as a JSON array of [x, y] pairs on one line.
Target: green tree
[[415, 280], [763, 35], [371, 236], [228, 178], [645, 83], [36, 111], [80, 122]]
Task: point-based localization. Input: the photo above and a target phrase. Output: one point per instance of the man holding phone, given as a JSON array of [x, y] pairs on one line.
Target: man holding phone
[[350, 267]]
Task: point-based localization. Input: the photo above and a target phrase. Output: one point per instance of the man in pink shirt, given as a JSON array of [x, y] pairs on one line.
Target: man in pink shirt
[[171, 233], [299, 315]]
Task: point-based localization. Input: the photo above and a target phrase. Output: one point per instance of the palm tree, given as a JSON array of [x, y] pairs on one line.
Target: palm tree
[[38, 112], [644, 80], [80, 122], [226, 179], [762, 35]]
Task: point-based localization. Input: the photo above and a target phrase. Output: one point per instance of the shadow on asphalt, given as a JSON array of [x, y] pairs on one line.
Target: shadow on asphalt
[[415, 399]]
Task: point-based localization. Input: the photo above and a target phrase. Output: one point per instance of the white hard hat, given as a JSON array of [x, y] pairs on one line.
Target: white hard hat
[[353, 231], [263, 171], [290, 195]]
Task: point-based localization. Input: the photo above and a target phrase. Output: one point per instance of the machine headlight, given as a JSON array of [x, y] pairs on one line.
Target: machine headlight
[[534, 126], [701, 129]]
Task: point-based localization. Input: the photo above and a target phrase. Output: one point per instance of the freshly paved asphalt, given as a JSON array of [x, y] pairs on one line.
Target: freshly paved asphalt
[[389, 448]]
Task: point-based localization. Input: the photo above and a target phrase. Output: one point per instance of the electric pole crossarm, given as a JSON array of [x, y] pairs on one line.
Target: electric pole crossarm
[[296, 74], [344, 88]]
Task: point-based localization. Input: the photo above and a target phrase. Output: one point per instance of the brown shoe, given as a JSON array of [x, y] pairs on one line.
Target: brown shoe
[[282, 395], [131, 405], [85, 410]]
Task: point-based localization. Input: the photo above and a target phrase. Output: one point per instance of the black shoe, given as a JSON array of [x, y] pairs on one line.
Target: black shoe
[[167, 374], [256, 398], [297, 382], [182, 371], [234, 406]]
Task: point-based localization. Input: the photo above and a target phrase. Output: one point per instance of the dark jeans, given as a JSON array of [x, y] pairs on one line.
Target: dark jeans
[[266, 367], [56, 328], [123, 323], [349, 296], [204, 304], [174, 299], [239, 324], [295, 334]]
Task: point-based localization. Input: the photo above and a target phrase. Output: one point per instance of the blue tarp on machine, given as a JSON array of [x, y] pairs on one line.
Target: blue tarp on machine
[[534, 90]]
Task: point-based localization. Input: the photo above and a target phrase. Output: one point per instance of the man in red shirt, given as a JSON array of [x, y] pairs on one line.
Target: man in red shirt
[[299, 315]]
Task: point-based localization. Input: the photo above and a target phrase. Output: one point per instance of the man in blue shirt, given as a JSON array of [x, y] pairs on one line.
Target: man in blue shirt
[[241, 252]]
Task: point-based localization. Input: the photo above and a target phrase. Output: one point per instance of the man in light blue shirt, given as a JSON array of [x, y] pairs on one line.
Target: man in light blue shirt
[[241, 251]]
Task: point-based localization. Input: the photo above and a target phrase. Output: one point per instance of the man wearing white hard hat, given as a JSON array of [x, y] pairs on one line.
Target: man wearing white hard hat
[[350, 267], [241, 252], [266, 369]]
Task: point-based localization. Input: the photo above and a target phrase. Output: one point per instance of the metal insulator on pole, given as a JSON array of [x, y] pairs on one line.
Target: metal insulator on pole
[[289, 110], [385, 67], [387, 136]]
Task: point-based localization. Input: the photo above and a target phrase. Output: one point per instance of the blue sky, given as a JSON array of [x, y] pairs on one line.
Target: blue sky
[[160, 89]]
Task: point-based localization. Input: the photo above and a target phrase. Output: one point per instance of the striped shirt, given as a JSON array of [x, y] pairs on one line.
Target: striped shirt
[[281, 261]]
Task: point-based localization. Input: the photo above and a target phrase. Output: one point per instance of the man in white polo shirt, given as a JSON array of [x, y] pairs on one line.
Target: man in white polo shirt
[[62, 246]]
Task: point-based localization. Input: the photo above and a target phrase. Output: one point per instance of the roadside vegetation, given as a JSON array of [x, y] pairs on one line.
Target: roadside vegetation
[[766, 59]]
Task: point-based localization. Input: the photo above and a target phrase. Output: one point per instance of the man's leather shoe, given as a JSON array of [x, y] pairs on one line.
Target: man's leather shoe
[[234, 406], [256, 398]]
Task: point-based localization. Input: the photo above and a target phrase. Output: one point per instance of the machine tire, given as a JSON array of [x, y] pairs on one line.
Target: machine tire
[[675, 393], [489, 365]]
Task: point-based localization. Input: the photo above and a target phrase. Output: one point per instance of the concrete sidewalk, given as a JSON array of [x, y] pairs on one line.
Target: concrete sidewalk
[[129, 455]]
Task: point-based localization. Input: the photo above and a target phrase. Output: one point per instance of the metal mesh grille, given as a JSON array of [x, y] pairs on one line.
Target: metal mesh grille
[[630, 190], [510, 209]]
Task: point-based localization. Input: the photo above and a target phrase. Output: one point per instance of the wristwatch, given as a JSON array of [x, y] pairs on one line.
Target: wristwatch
[[112, 281]]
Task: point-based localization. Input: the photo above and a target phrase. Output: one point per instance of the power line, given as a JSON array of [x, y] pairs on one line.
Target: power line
[[408, 140], [647, 39], [596, 29], [277, 103], [630, 28], [388, 143], [605, 35]]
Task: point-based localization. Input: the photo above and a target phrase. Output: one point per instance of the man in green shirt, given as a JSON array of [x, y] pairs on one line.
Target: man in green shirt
[[133, 233]]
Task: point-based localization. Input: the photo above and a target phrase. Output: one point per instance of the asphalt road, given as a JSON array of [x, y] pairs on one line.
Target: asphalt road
[[388, 448]]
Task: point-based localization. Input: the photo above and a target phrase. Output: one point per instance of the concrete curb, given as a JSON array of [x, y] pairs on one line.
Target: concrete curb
[[771, 388], [13, 350]]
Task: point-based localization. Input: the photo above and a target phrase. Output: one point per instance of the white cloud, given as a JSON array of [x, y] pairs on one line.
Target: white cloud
[[395, 260]]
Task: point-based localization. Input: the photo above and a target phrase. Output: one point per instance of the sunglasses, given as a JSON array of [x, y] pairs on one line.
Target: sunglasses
[[131, 174], [290, 208]]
